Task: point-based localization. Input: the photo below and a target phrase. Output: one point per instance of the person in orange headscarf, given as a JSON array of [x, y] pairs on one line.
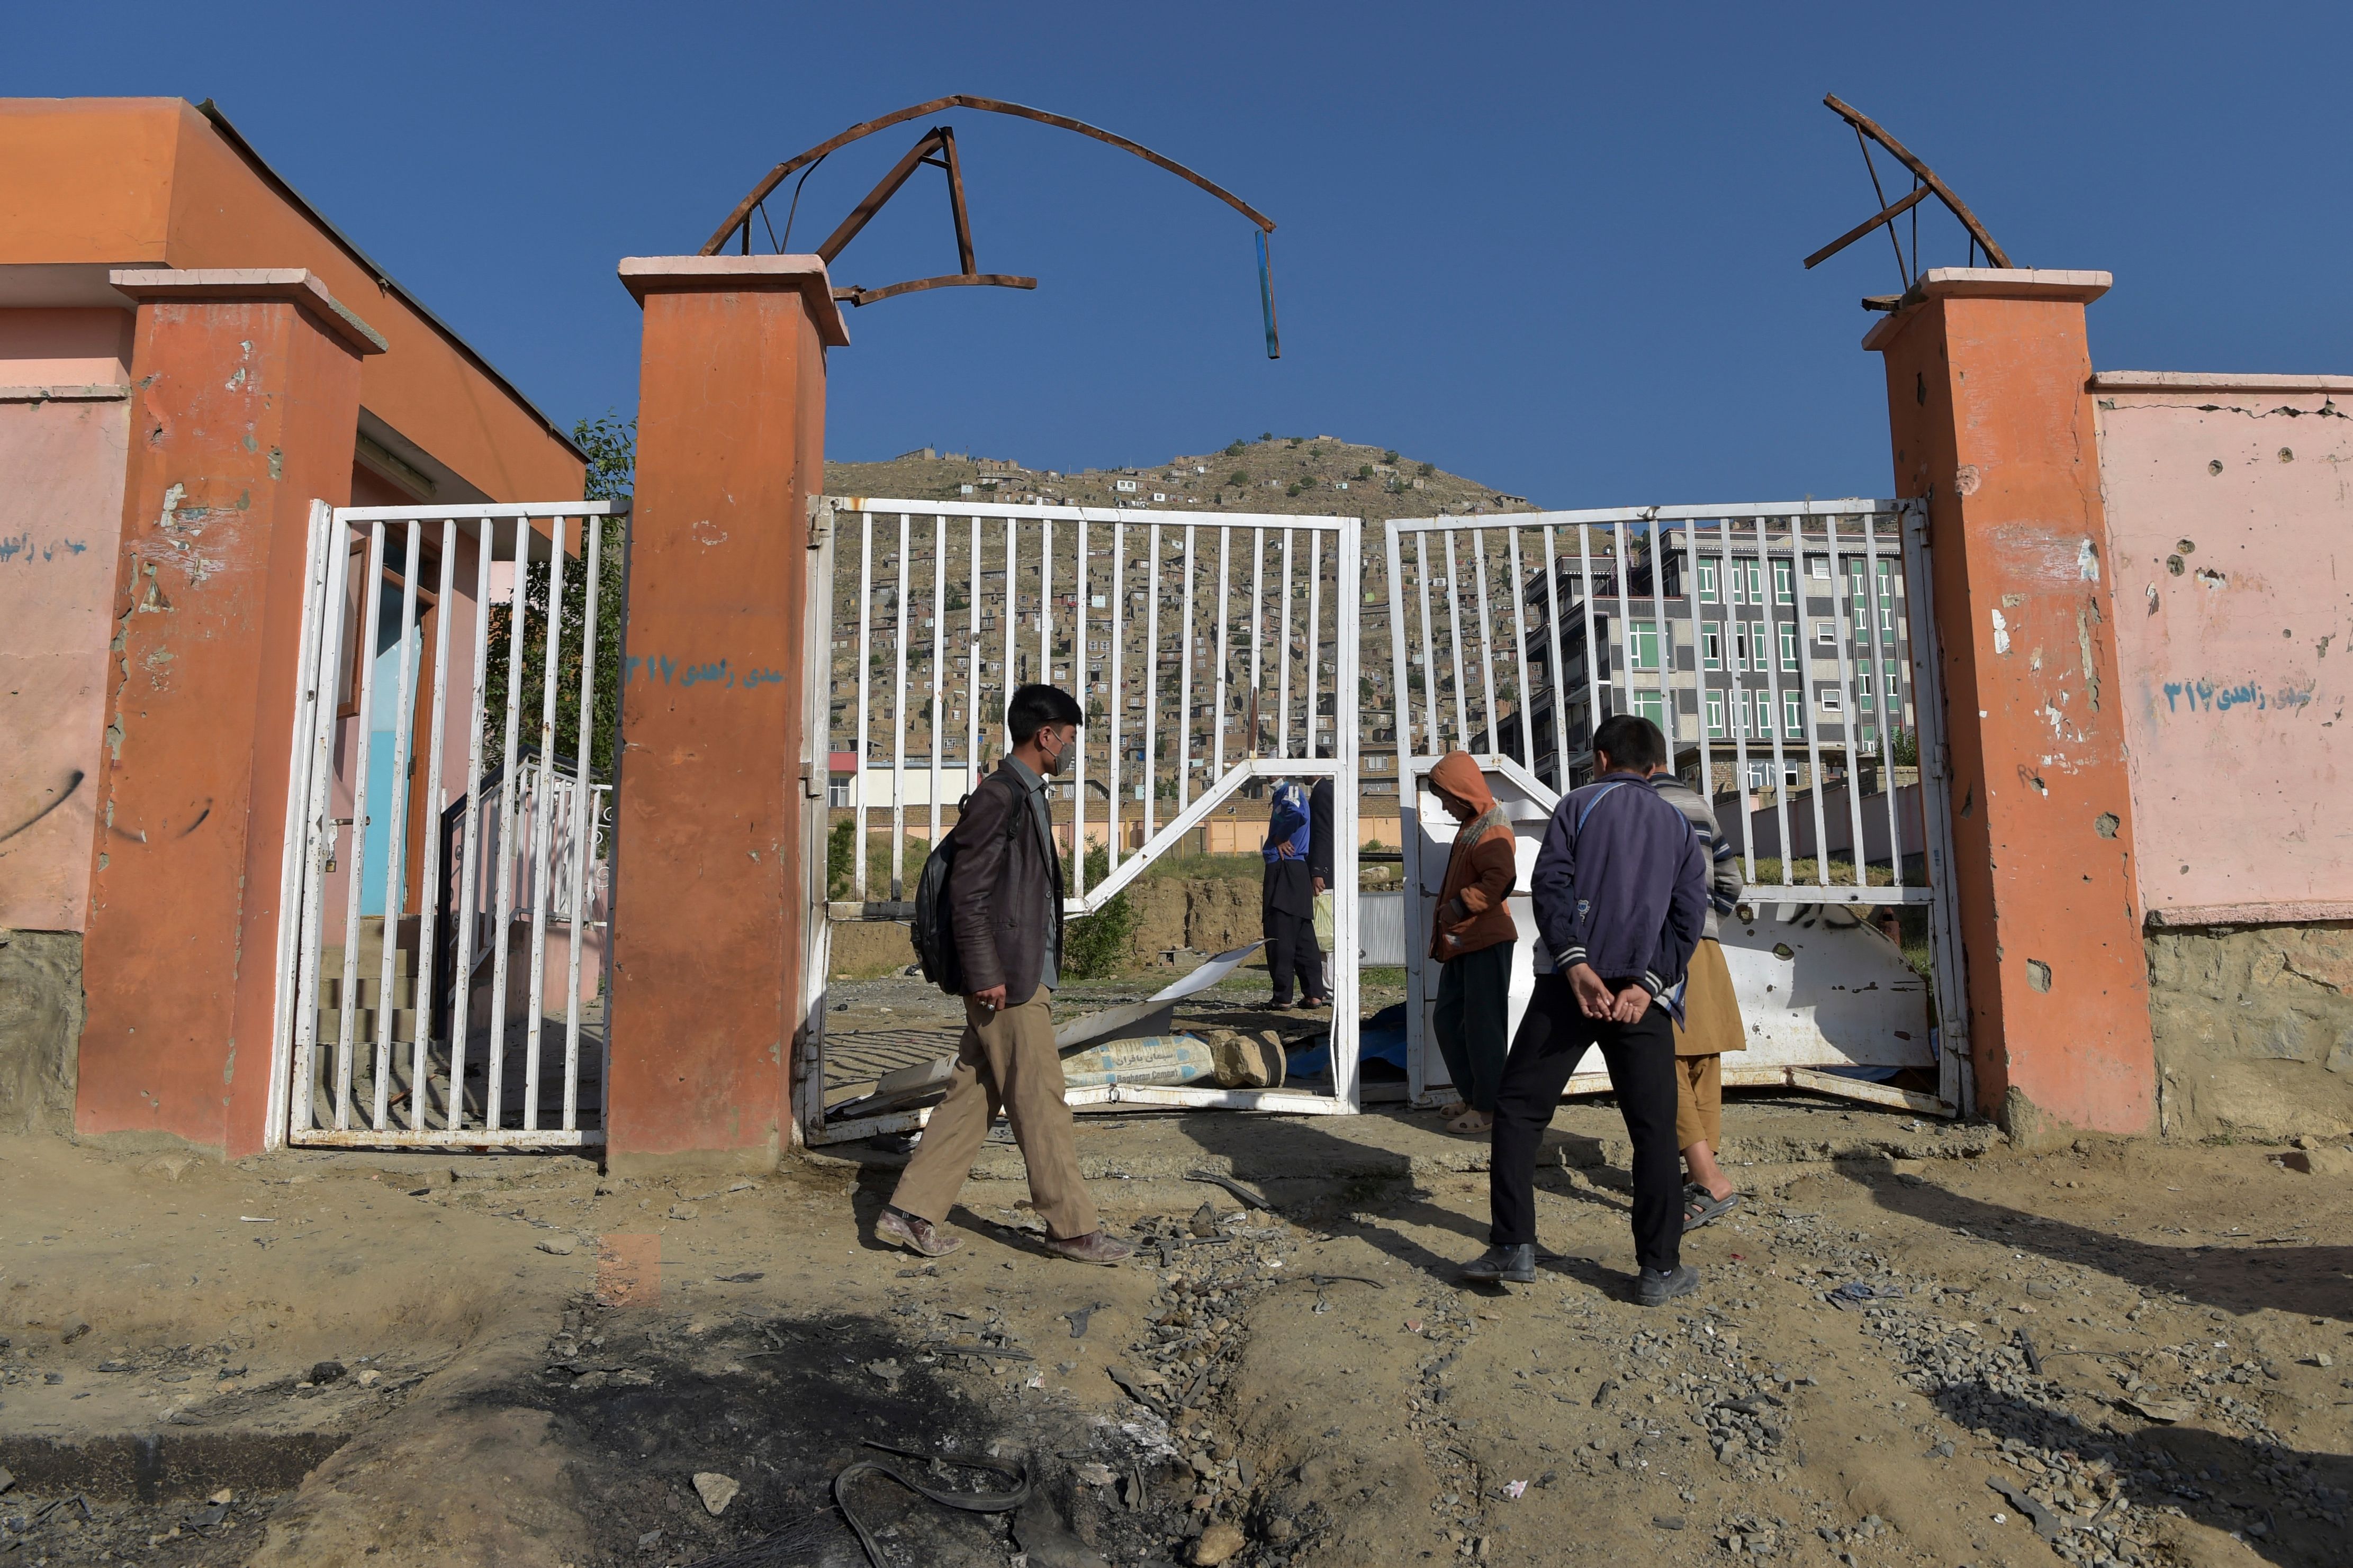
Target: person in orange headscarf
[[1471, 937]]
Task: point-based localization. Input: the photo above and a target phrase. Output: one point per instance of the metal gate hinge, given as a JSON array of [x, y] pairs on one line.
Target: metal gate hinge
[[821, 515]]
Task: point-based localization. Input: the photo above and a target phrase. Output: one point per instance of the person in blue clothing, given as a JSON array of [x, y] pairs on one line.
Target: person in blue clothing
[[1287, 903], [1620, 894]]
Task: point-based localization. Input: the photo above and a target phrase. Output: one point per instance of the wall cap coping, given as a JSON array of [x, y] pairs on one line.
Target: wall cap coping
[[1987, 283], [2199, 381], [2276, 913], [296, 285], [644, 274], [96, 392]]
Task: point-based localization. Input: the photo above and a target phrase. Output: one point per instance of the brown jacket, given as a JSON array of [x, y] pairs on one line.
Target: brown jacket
[[1005, 891], [1480, 872]]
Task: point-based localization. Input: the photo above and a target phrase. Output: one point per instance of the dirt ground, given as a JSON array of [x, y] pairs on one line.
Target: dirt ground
[[1912, 1345]]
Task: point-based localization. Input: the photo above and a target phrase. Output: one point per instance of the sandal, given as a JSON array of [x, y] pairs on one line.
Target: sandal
[[1472, 1121], [1703, 1207], [1452, 1110]]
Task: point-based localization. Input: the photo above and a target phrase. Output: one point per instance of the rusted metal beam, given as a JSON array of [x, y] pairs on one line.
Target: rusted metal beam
[[953, 280], [884, 189], [1886, 215], [740, 216], [1871, 128], [956, 204]]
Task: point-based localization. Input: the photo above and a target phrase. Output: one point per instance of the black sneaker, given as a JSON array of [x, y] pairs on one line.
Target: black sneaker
[[1655, 1289], [1514, 1263]]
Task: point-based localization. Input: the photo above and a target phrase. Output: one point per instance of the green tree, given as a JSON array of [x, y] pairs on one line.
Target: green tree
[[611, 446], [1425, 469], [1102, 942], [1904, 746], [1237, 448], [1365, 471], [1241, 477], [1389, 456]]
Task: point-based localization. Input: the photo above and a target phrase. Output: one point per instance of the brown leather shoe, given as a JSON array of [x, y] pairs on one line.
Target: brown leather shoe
[[1095, 1247], [915, 1235]]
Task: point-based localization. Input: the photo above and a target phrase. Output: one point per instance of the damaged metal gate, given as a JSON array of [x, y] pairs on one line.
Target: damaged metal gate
[[1211, 654], [443, 952], [1789, 654]]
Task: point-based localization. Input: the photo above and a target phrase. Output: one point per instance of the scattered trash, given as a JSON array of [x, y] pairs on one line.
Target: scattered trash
[[211, 1518], [1855, 1293], [223, 1496], [1135, 1382], [259, 1218], [649, 1540], [2046, 1523], [1515, 1490], [969, 1502], [1079, 1318], [744, 1276], [1243, 1192], [715, 1491], [1667, 1520], [2033, 1357], [890, 1372], [1096, 1474], [1321, 1279]]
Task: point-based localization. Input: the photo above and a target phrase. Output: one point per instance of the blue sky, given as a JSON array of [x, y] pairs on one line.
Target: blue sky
[[1555, 247]]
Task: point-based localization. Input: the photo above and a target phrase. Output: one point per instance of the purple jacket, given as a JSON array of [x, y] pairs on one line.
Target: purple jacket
[[1621, 885]]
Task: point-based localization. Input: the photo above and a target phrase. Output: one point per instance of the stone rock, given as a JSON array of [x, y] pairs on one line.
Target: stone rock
[[73, 1329], [369, 1378], [1219, 1542], [326, 1372], [683, 1211], [715, 1491], [561, 1245]]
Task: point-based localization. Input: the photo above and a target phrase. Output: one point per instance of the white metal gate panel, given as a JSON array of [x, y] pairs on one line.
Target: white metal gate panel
[[1783, 649], [442, 842], [1208, 652]]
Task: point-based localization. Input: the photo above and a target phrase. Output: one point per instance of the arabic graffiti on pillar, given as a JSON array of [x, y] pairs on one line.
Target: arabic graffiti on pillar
[[22, 547], [724, 674], [2187, 697]]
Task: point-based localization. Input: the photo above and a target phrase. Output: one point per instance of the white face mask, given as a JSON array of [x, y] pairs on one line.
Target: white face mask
[[1054, 760]]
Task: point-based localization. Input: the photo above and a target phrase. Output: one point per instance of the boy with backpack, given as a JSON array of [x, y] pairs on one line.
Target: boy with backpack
[[1620, 894], [1003, 902]]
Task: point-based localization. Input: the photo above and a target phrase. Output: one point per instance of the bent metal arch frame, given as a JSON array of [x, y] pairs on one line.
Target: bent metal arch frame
[[937, 149]]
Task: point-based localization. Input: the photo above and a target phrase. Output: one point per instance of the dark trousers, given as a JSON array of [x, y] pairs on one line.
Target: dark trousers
[[1474, 1009], [1291, 948], [1641, 1061]]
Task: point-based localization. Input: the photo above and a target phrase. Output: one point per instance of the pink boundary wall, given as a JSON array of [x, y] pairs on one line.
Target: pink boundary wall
[[2230, 514]]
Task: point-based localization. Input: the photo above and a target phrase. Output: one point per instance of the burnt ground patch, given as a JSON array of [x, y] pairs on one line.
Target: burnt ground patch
[[779, 1405]]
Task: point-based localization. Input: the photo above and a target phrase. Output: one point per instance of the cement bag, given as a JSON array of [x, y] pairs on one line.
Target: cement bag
[[1327, 925], [1158, 1059]]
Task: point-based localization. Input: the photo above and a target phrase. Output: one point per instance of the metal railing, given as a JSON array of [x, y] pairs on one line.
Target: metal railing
[[1210, 652], [370, 612]]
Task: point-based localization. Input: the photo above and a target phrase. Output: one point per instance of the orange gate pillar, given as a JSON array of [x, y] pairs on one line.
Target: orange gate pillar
[[708, 892], [246, 400], [1990, 415]]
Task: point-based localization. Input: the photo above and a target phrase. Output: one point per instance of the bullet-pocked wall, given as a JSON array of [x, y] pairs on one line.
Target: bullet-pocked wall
[[2230, 537]]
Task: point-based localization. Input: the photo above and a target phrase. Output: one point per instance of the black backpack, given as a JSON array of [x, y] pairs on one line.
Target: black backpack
[[931, 929]]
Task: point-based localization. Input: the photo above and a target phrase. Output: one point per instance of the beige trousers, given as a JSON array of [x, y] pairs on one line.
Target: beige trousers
[[1006, 1060]]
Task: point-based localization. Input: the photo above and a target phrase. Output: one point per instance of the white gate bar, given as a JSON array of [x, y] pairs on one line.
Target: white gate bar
[[1613, 514], [509, 811], [1428, 651], [1521, 702], [1283, 680], [866, 695], [1314, 643], [1958, 1077], [1258, 634], [976, 670], [1699, 667], [543, 825], [1670, 722], [1225, 629], [1809, 702], [323, 674], [1078, 679], [371, 603], [1185, 686], [582, 828], [939, 658], [899, 717], [1888, 707], [1172, 832], [428, 909], [1772, 658], [1593, 650], [1486, 638], [469, 861], [1150, 678], [396, 837], [1852, 712], [1560, 673], [1119, 620]]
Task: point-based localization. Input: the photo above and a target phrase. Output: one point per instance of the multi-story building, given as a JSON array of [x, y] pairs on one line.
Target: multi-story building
[[1733, 655]]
